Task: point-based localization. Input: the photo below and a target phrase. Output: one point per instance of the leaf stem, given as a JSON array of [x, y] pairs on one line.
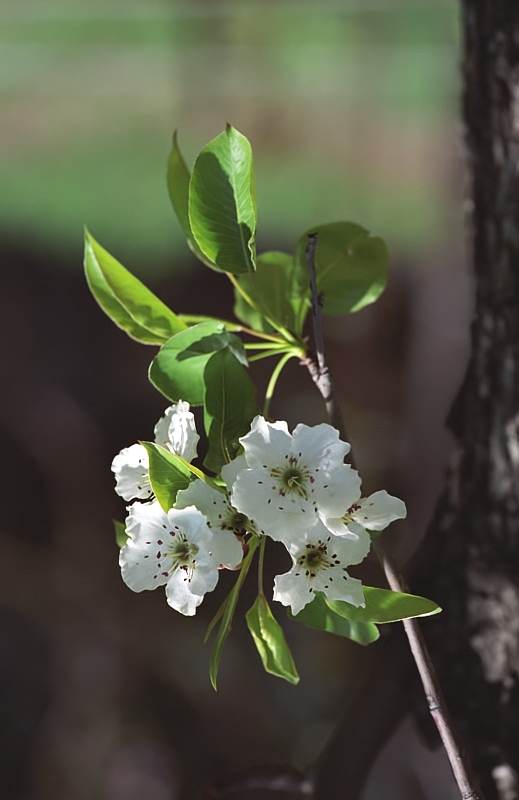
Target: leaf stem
[[322, 378], [270, 353], [274, 379], [261, 561], [265, 345]]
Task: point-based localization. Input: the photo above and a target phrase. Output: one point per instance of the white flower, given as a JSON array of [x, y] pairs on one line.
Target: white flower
[[320, 565], [375, 513], [177, 549], [293, 480], [175, 431], [221, 516], [131, 470]]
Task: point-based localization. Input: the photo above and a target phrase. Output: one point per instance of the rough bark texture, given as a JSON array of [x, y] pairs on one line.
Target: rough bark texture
[[474, 539]]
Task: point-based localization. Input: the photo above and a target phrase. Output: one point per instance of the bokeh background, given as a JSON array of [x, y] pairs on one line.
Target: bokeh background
[[352, 111]]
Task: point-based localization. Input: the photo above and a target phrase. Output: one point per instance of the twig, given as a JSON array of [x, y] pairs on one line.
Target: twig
[[322, 378], [318, 369]]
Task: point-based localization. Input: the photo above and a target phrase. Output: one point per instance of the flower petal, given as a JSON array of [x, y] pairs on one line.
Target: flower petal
[[176, 431], [179, 595], [378, 510], [289, 591], [266, 442], [131, 471], [209, 501], [231, 471], [142, 560], [321, 442], [226, 549]]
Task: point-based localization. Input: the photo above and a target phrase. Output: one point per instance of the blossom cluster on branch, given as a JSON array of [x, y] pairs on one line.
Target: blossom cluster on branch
[[293, 488]]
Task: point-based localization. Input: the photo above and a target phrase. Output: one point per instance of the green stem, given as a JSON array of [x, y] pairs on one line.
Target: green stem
[[274, 379], [260, 564], [265, 345], [268, 354]]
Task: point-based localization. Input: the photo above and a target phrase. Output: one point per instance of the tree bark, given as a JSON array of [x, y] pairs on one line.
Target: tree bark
[[471, 554]]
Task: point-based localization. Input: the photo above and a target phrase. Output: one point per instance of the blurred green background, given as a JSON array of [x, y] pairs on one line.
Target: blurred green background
[[348, 105], [352, 112]]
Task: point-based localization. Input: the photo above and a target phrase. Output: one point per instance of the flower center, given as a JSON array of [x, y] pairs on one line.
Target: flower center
[[238, 523], [292, 479], [183, 554], [315, 559], [348, 516]]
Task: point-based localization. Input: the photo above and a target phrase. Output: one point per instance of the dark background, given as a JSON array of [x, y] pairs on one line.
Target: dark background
[[352, 112]]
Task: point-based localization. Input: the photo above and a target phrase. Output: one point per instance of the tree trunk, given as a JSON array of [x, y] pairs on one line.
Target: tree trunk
[[473, 542]]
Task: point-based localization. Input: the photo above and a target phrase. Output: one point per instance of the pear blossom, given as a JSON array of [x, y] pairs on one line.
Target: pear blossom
[[290, 481], [131, 470], [176, 549], [216, 505], [320, 562], [175, 431], [375, 513]]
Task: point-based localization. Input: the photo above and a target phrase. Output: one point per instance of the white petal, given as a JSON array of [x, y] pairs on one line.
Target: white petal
[[320, 442], [231, 471], [292, 591], [131, 470], [142, 558], [193, 524], [179, 595], [379, 510], [266, 442], [226, 549], [349, 591], [177, 432], [209, 501], [256, 495], [353, 548], [336, 488]]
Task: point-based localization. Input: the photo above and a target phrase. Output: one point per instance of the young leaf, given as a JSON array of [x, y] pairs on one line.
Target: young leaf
[[270, 641], [383, 605], [125, 299], [120, 533], [275, 289], [167, 474], [178, 177], [222, 212], [178, 368], [351, 267], [319, 615], [229, 407], [228, 614]]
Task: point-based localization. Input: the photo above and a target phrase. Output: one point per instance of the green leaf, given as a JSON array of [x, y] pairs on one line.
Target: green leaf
[[275, 290], [178, 368], [178, 177], [167, 474], [228, 614], [222, 212], [229, 407], [351, 267], [319, 615], [270, 641], [120, 533], [125, 299], [383, 605]]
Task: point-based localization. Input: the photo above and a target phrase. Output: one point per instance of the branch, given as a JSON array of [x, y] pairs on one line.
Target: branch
[[322, 378]]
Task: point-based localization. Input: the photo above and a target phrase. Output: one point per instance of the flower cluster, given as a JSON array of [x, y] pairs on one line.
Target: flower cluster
[[294, 488]]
